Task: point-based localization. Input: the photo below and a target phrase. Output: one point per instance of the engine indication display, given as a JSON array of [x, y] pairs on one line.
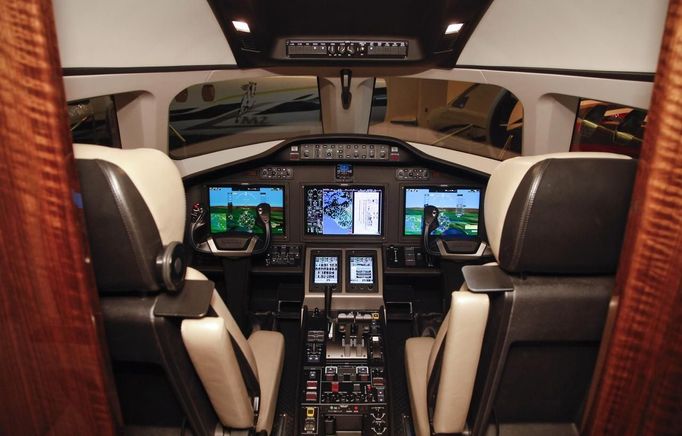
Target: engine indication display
[[326, 270]]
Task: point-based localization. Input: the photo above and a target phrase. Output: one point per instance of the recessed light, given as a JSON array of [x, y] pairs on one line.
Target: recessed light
[[452, 28], [241, 26]]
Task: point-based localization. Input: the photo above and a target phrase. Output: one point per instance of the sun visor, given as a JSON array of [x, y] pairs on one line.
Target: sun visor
[[139, 34], [584, 35]]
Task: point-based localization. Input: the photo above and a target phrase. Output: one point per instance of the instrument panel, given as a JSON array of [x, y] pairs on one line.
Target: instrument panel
[[319, 199]]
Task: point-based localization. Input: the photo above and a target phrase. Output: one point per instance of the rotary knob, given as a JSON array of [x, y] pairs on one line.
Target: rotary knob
[[350, 49]]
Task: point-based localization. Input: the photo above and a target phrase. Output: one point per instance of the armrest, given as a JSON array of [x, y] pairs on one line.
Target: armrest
[[210, 348], [486, 278]]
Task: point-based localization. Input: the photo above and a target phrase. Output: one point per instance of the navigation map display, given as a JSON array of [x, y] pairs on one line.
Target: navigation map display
[[233, 208], [343, 211], [458, 208], [361, 270], [326, 270]]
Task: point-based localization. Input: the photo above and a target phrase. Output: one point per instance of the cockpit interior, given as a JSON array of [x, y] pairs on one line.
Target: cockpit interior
[[350, 218]]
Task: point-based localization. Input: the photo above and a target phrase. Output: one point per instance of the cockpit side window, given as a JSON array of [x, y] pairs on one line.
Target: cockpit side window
[[477, 118], [93, 121], [609, 127]]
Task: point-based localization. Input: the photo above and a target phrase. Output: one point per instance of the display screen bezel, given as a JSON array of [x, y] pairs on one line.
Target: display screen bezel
[[382, 200], [362, 287], [233, 186], [312, 259], [442, 188]]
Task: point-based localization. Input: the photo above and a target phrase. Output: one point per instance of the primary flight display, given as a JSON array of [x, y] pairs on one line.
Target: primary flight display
[[233, 208], [458, 210]]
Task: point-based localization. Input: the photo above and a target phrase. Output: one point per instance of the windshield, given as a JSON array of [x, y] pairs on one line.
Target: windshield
[[482, 119], [214, 116]]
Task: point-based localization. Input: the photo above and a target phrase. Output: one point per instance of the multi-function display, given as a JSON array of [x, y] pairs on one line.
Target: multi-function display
[[458, 210], [343, 211], [361, 270], [233, 208]]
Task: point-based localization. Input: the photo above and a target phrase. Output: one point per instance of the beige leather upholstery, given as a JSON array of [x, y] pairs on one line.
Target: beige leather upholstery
[[459, 340], [417, 351], [503, 184], [161, 189], [268, 347], [209, 344], [209, 347]]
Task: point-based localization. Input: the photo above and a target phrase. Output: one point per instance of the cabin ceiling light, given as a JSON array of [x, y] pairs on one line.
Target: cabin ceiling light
[[241, 26], [452, 28]]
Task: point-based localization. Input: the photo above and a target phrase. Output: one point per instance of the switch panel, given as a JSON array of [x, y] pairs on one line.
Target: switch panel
[[412, 174], [283, 255], [374, 152], [356, 49], [276, 173]]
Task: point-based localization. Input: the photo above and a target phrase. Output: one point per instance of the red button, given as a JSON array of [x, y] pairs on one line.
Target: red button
[[311, 396], [335, 386]]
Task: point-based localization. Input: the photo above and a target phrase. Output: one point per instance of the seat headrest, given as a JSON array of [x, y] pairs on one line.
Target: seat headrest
[[561, 213], [134, 205]]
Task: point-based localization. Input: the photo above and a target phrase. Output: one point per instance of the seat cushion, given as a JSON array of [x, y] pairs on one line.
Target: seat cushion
[[417, 351], [268, 349]]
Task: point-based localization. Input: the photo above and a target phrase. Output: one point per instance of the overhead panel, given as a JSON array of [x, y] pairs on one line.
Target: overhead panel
[[347, 32]]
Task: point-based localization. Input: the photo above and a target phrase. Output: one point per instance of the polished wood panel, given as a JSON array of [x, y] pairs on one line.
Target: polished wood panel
[[54, 376], [640, 389]]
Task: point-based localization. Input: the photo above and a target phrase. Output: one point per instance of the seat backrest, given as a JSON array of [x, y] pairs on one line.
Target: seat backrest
[[562, 213], [555, 224], [134, 204]]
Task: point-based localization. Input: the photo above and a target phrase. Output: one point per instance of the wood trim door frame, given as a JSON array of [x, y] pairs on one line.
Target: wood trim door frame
[[55, 375]]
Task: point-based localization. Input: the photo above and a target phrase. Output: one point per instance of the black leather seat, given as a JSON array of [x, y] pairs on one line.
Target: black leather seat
[[170, 372], [518, 348]]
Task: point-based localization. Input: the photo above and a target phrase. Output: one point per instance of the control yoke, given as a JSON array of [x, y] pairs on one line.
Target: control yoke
[[430, 224], [263, 214], [197, 223], [246, 244]]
